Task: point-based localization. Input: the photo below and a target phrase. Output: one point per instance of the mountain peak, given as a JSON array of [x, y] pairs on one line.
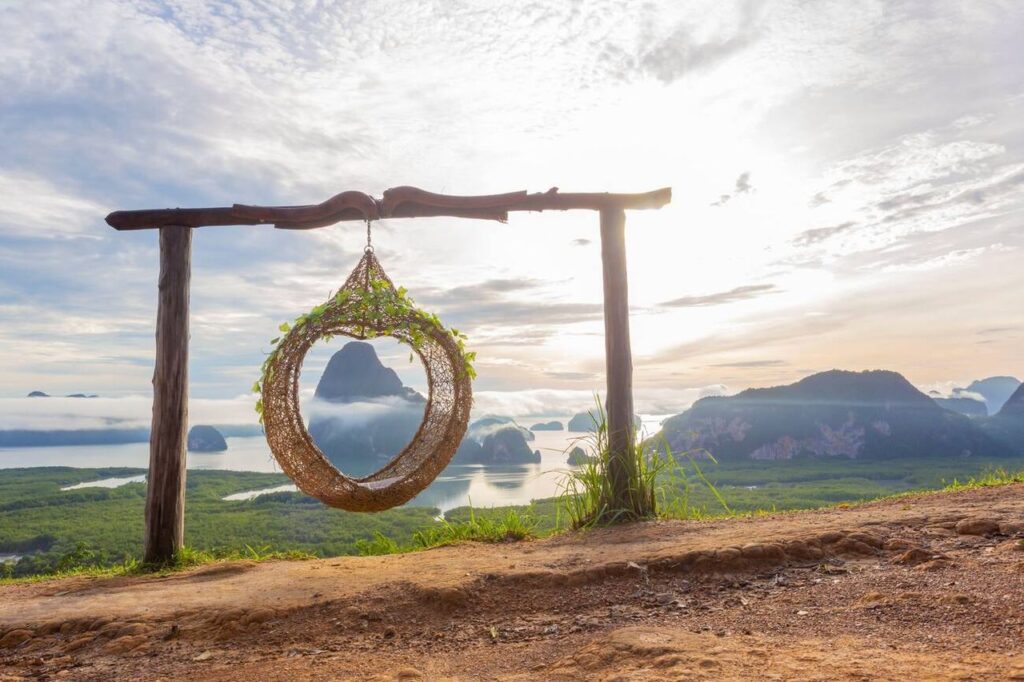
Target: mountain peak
[[836, 385], [1015, 405], [355, 372]]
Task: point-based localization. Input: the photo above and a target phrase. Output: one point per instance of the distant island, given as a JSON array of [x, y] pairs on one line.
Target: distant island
[[578, 457], [496, 440], [205, 438], [504, 445], [481, 427], [548, 426], [586, 422]]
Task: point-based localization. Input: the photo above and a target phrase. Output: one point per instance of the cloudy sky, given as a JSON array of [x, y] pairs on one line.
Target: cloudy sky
[[848, 184]]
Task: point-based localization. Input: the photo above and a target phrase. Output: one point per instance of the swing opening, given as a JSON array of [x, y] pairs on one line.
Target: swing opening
[[367, 306]]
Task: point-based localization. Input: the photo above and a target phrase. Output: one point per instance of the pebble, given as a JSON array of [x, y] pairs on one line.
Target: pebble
[[122, 645], [79, 642], [977, 525], [15, 638], [914, 556], [1012, 527]]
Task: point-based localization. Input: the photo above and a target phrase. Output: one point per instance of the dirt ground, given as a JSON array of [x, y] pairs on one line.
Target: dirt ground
[[926, 587]]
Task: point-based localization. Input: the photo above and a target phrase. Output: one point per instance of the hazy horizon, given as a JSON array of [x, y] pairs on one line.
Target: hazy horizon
[[61, 412]]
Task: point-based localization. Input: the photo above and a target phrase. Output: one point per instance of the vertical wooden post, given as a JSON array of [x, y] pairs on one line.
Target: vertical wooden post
[[622, 467], [165, 494]]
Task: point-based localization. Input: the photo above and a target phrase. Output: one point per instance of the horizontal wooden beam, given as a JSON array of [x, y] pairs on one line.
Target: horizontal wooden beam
[[398, 202]]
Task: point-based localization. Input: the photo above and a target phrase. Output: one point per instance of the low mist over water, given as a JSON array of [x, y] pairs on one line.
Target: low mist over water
[[458, 485]]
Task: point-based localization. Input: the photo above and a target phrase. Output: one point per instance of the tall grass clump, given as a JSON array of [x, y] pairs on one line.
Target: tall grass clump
[[987, 478], [658, 482]]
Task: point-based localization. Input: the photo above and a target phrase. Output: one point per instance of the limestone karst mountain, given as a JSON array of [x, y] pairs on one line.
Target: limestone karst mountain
[[362, 416], [994, 390], [496, 440], [966, 406], [1008, 426], [1014, 406], [205, 438], [874, 414], [355, 373]]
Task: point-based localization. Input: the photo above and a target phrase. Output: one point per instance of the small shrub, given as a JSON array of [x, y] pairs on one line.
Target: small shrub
[[659, 484], [378, 545], [508, 527], [81, 557]]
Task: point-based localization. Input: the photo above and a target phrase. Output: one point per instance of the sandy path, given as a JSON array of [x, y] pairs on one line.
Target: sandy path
[[865, 591]]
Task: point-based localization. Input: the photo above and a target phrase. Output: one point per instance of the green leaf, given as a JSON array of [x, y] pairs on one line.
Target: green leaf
[[284, 327]]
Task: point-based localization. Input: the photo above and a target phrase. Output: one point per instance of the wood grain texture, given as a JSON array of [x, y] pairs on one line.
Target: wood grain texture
[[165, 494], [619, 367], [397, 202]]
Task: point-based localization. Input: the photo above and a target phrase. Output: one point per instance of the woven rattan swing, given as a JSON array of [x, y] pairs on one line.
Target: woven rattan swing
[[368, 305]]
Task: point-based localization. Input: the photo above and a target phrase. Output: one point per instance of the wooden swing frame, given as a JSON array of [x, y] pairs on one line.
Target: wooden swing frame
[[165, 495]]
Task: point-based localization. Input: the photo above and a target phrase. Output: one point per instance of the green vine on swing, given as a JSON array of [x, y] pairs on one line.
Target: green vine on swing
[[379, 298]]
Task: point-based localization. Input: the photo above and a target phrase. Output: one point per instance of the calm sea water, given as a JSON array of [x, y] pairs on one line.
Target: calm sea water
[[456, 486]]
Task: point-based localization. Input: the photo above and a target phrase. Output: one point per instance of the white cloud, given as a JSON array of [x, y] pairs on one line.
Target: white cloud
[[950, 389], [32, 206], [553, 403]]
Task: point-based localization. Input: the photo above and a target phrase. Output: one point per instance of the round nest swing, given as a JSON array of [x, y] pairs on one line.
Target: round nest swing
[[368, 306]]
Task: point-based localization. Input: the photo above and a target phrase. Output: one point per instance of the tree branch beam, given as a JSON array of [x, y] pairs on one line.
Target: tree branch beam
[[398, 202]]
